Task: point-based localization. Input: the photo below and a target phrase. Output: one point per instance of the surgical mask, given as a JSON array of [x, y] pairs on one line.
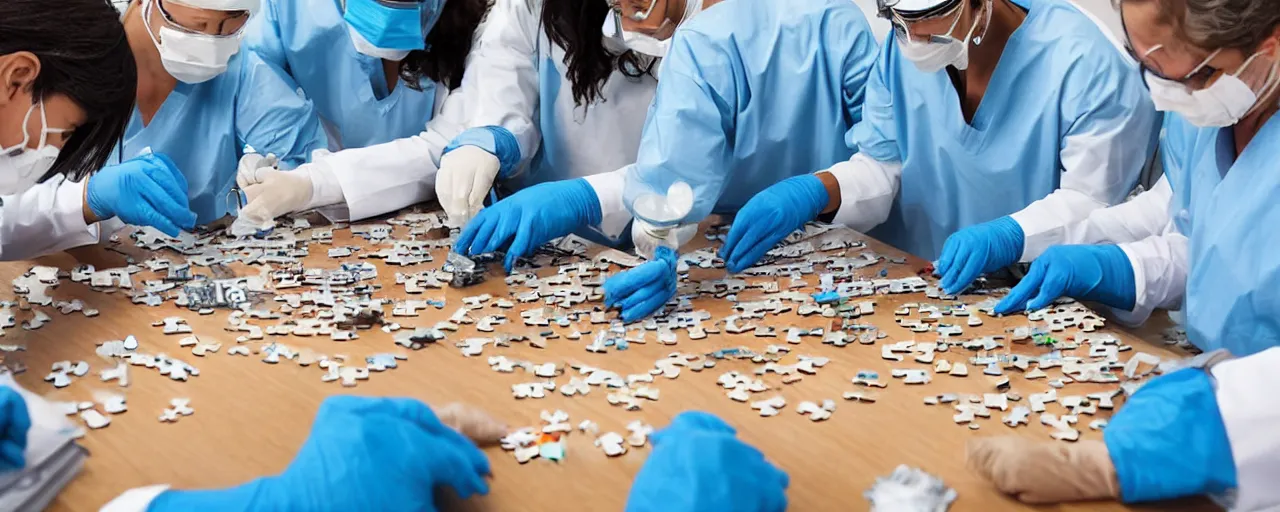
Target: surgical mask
[[20, 166], [942, 51], [191, 58], [1223, 103], [649, 45], [390, 29]]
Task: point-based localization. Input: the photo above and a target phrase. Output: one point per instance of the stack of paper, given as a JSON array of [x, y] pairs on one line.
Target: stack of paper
[[53, 457]]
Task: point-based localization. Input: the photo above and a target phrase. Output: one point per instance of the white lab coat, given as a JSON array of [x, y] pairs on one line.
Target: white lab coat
[[46, 218], [526, 91], [1250, 411], [134, 500]]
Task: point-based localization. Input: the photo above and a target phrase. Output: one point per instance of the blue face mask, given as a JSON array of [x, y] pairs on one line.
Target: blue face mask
[[393, 25]]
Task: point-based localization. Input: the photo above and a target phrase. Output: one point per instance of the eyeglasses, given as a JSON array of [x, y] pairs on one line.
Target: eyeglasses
[[638, 14], [227, 27], [1198, 77]]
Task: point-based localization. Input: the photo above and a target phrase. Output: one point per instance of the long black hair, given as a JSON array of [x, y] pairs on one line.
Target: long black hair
[[577, 26], [83, 54], [448, 45]]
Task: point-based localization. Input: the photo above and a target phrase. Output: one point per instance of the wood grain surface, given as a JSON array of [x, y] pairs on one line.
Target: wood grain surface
[[251, 417]]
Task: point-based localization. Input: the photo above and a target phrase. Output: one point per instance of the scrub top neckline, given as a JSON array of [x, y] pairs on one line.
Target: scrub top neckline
[[975, 130], [376, 78], [176, 100]]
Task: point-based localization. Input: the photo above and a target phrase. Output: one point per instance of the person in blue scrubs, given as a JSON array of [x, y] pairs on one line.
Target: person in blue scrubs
[[1222, 91], [201, 100], [751, 91], [375, 69], [1010, 118]]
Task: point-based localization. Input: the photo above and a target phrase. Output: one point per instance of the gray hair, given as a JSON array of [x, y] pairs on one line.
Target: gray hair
[[1214, 24]]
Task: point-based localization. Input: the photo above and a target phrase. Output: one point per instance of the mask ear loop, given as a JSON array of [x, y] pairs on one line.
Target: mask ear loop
[[26, 136]]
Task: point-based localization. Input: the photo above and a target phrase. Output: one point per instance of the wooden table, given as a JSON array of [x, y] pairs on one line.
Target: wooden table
[[251, 417]]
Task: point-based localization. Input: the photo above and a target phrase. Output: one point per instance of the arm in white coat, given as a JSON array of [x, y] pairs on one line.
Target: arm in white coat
[[614, 215], [1144, 216], [867, 190], [1250, 410], [46, 218], [1159, 272], [503, 81]]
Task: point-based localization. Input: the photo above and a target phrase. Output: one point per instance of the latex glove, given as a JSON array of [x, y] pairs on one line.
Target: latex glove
[[250, 164], [979, 249], [1168, 441], [271, 193], [146, 191], [466, 174], [769, 217], [363, 454], [1090, 272], [14, 424], [641, 291], [699, 464], [530, 218]]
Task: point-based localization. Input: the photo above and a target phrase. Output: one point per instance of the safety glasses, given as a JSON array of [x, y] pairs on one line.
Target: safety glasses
[[639, 12], [227, 27], [902, 31], [1197, 78]]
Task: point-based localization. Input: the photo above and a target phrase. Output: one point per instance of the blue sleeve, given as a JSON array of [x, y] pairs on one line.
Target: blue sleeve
[[272, 117], [858, 66], [262, 37], [876, 133], [689, 132], [1169, 440]]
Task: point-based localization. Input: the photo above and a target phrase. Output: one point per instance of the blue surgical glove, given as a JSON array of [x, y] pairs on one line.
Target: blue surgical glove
[[532, 217], [699, 464], [146, 191], [769, 217], [979, 249], [1099, 273], [1169, 440], [14, 424], [381, 454], [641, 291]]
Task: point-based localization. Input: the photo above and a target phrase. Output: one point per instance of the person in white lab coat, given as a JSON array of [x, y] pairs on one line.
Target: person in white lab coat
[[67, 86], [544, 77]]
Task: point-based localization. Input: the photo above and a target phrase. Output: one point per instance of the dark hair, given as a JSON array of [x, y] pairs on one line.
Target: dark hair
[[448, 45], [577, 26], [83, 54]]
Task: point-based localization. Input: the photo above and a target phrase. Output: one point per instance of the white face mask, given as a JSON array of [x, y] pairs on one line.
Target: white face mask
[[649, 45], [20, 166], [191, 58], [932, 57], [1223, 103], [364, 47]]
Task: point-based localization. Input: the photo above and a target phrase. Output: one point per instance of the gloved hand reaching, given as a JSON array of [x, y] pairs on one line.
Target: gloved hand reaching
[[769, 217], [466, 174], [699, 464], [271, 193], [1167, 442], [530, 218], [1089, 272], [146, 191], [641, 291], [979, 249], [15, 421], [363, 454]]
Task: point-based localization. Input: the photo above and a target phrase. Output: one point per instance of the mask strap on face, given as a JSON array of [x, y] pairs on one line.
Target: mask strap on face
[[21, 147]]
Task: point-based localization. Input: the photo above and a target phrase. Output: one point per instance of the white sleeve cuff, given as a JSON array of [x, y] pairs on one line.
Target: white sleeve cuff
[[614, 215], [1160, 275], [325, 187], [70, 216], [868, 188], [134, 500], [1044, 222], [1248, 404]]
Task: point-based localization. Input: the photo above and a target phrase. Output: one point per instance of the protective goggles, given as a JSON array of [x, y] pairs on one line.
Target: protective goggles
[[900, 20], [1198, 77], [227, 27], [639, 11]]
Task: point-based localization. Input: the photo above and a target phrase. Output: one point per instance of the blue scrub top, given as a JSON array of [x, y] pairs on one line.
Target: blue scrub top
[[309, 41], [205, 127], [750, 93], [1227, 208], [1059, 76]]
